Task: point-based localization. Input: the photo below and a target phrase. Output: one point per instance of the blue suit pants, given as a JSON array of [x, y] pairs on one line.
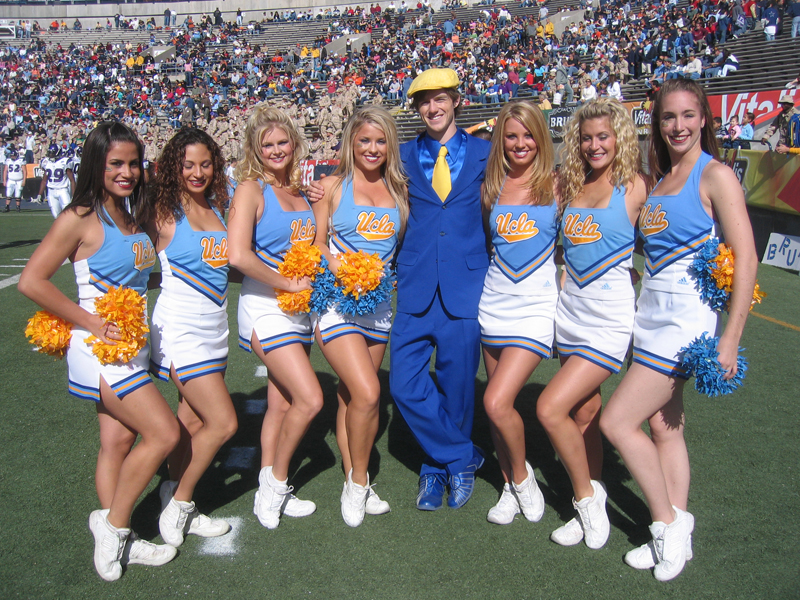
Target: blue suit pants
[[439, 413]]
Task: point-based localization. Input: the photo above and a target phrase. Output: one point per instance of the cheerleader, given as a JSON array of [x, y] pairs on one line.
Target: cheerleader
[[697, 197], [101, 237], [190, 320], [518, 303], [365, 207], [600, 195], [269, 214]]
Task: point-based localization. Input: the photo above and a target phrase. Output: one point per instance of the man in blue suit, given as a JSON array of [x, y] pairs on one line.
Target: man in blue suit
[[440, 270]]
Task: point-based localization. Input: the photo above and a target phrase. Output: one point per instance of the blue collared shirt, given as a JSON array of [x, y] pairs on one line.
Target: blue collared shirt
[[456, 154]]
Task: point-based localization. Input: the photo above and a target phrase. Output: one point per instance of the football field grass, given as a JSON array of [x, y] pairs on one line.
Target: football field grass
[[744, 452]]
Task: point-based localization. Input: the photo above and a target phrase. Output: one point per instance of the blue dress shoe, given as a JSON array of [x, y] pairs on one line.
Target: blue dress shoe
[[431, 491], [462, 485]]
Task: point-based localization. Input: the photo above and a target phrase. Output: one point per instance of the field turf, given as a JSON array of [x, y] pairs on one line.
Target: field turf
[[744, 496]]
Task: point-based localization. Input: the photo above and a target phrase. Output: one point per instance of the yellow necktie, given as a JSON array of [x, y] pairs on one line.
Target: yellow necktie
[[441, 175]]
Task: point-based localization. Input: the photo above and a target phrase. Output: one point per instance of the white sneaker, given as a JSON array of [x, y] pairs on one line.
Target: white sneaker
[[376, 506], [593, 518], [354, 501], [295, 507], [506, 509], [173, 520], [274, 497], [669, 542], [644, 557], [204, 526], [529, 496], [109, 544], [142, 552], [177, 524], [569, 534]]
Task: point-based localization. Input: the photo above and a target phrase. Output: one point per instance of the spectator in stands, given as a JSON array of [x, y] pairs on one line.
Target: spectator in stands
[[694, 67], [748, 132], [731, 139], [771, 18], [781, 125], [731, 64]]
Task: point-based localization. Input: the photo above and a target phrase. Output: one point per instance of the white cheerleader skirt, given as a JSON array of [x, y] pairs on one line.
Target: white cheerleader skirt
[[596, 330], [375, 327], [259, 312], [195, 344], [664, 324], [525, 322], [85, 370]]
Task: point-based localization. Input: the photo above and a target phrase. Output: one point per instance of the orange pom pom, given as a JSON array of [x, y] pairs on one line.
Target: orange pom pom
[[49, 333], [723, 274], [128, 309], [301, 260], [293, 303], [360, 272]]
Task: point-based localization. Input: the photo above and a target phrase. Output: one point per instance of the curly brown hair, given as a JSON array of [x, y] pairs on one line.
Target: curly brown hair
[[167, 190]]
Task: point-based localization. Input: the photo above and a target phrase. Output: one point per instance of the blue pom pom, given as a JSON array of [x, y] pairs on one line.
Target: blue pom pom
[[324, 292], [367, 303], [702, 268], [701, 359]]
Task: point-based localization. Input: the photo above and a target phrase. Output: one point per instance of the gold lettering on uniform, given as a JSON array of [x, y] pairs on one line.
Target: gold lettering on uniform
[[303, 232], [581, 231], [515, 230], [373, 229], [652, 219], [144, 255], [214, 255]]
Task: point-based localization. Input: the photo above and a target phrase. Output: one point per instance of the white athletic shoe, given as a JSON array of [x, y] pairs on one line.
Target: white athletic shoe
[[297, 508], [506, 509], [109, 544], [569, 534], [275, 497], [204, 526], [670, 542], [181, 518], [644, 557], [142, 552], [529, 496], [376, 506], [354, 501], [173, 520], [593, 518]]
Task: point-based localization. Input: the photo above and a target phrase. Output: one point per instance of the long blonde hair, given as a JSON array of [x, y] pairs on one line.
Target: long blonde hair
[[263, 120], [392, 168], [574, 169], [540, 184]]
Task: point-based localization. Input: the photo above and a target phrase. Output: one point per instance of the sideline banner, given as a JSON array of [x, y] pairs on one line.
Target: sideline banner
[[763, 104], [770, 180]]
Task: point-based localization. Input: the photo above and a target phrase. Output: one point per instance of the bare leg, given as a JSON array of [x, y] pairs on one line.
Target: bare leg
[[146, 412], [116, 441], [209, 400], [290, 370], [356, 362], [508, 370], [660, 465], [190, 424], [574, 393]]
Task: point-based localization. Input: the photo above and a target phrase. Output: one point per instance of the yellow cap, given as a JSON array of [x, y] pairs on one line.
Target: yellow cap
[[434, 79]]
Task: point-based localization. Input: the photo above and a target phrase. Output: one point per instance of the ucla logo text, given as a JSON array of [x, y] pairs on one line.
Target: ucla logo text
[[580, 231], [515, 230], [652, 219], [214, 255], [301, 232], [373, 229], [144, 255]]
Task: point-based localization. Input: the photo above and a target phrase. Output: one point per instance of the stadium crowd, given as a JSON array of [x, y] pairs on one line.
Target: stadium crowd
[[220, 70]]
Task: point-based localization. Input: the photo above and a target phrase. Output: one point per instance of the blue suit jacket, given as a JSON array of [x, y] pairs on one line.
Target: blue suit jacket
[[444, 244]]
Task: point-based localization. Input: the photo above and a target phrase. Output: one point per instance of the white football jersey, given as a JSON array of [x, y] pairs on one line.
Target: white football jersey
[[57, 172], [15, 169]]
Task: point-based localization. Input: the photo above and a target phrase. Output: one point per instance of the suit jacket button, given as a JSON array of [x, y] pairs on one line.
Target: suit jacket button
[[441, 233]]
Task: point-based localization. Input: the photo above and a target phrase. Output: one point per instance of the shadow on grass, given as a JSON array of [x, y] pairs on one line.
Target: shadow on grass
[[19, 244]]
